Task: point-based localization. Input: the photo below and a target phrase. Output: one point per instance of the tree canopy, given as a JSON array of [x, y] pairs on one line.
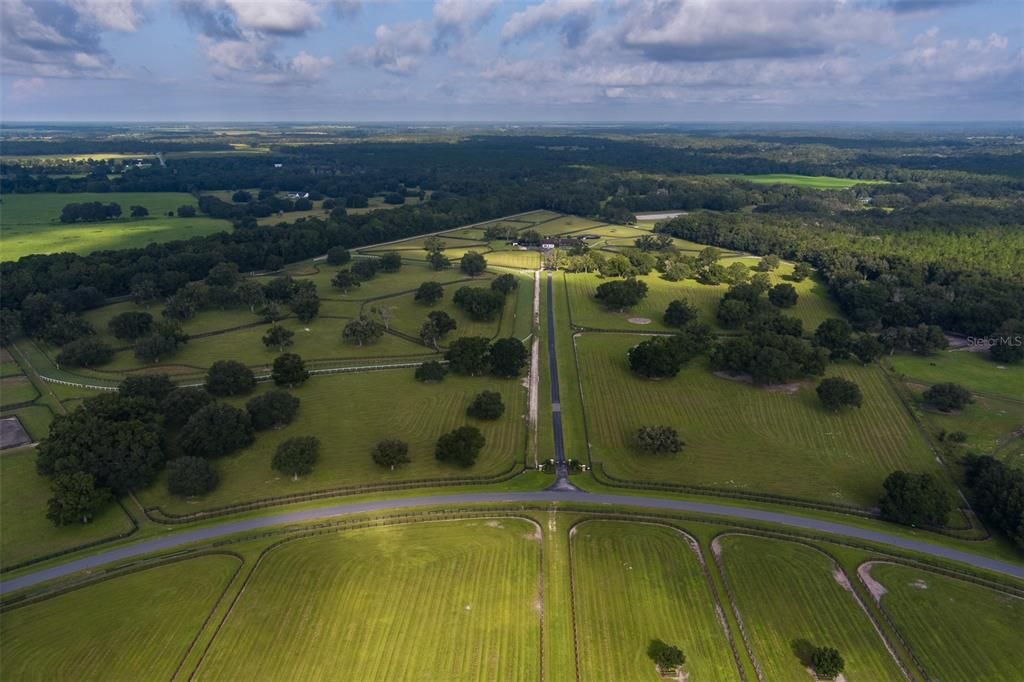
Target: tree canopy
[[461, 446], [296, 457]]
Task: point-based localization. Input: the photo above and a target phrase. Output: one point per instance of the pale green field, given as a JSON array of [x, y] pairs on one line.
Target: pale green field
[[134, 627], [30, 223], [459, 600], [747, 438], [350, 413], [959, 631], [812, 181], [786, 593], [639, 582]]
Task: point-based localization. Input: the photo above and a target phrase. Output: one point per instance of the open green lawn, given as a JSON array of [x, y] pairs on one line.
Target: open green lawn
[[25, 532], [16, 389], [637, 582], [31, 223], [787, 596], [812, 181], [514, 258], [458, 600], [971, 370], [134, 627], [988, 422], [959, 631], [748, 438], [813, 305], [350, 413]]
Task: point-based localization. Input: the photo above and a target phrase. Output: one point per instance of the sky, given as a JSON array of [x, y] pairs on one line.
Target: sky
[[487, 60]]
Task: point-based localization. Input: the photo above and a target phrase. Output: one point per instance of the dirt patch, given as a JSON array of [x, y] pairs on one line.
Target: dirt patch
[[838, 678], [876, 588], [747, 379], [12, 433], [840, 577], [716, 548], [639, 320], [919, 584], [494, 524]]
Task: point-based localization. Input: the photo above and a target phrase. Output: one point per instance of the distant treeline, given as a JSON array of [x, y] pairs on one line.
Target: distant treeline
[[83, 146], [89, 212]]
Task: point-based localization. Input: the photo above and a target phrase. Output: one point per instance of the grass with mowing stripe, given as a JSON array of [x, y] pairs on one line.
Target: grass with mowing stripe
[[813, 305], [786, 593], [748, 438], [25, 532], [958, 630], [350, 413], [409, 316], [971, 370], [637, 582], [513, 258], [446, 601], [17, 389], [137, 626]]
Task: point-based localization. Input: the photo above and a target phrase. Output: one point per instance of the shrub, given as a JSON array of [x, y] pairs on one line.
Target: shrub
[[658, 439], [947, 397]]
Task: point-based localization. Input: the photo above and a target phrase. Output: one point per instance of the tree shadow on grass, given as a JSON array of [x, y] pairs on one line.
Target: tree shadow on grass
[[803, 650]]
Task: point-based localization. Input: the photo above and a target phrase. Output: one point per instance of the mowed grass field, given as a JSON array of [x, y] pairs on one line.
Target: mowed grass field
[[133, 627], [747, 438], [788, 598], [456, 600], [972, 370], [988, 422], [30, 223], [959, 631], [350, 413], [25, 532], [813, 305], [812, 181], [637, 582]]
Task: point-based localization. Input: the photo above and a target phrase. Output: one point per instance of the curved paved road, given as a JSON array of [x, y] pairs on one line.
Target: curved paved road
[[548, 496]]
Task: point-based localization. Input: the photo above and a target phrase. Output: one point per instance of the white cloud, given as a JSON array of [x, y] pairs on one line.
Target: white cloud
[[116, 15], [571, 18], [397, 49], [241, 39], [717, 30], [463, 17]]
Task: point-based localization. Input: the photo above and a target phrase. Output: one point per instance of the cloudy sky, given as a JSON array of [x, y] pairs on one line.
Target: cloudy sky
[[489, 60]]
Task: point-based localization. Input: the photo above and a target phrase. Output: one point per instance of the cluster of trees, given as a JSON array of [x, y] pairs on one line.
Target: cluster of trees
[[90, 212], [661, 357], [769, 357], [476, 355], [658, 439], [915, 499], [483, 304], [947, 397], [116, 443], [997, 493]]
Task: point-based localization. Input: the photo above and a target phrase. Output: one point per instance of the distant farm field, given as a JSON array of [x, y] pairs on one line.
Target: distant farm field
[[458, 600], [635, 583], [746, 438], [350, 413], [132, 627], [959, 631], [812, 181], [30, 223], [789, 599]]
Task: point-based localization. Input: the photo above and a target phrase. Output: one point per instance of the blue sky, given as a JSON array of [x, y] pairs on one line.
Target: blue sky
[[485, 60]]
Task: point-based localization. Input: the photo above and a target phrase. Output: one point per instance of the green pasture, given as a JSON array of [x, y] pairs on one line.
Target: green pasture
[[457, 600], [30, 223], [35, 419], [958, 630], [637, 582], [813, 305], [974, 371], [16, 389], [137, 626], [788, 598], [350, 413], [409, 316], [811, 181], [988, 422], [25, 532], [746, 438], [513, 258]]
